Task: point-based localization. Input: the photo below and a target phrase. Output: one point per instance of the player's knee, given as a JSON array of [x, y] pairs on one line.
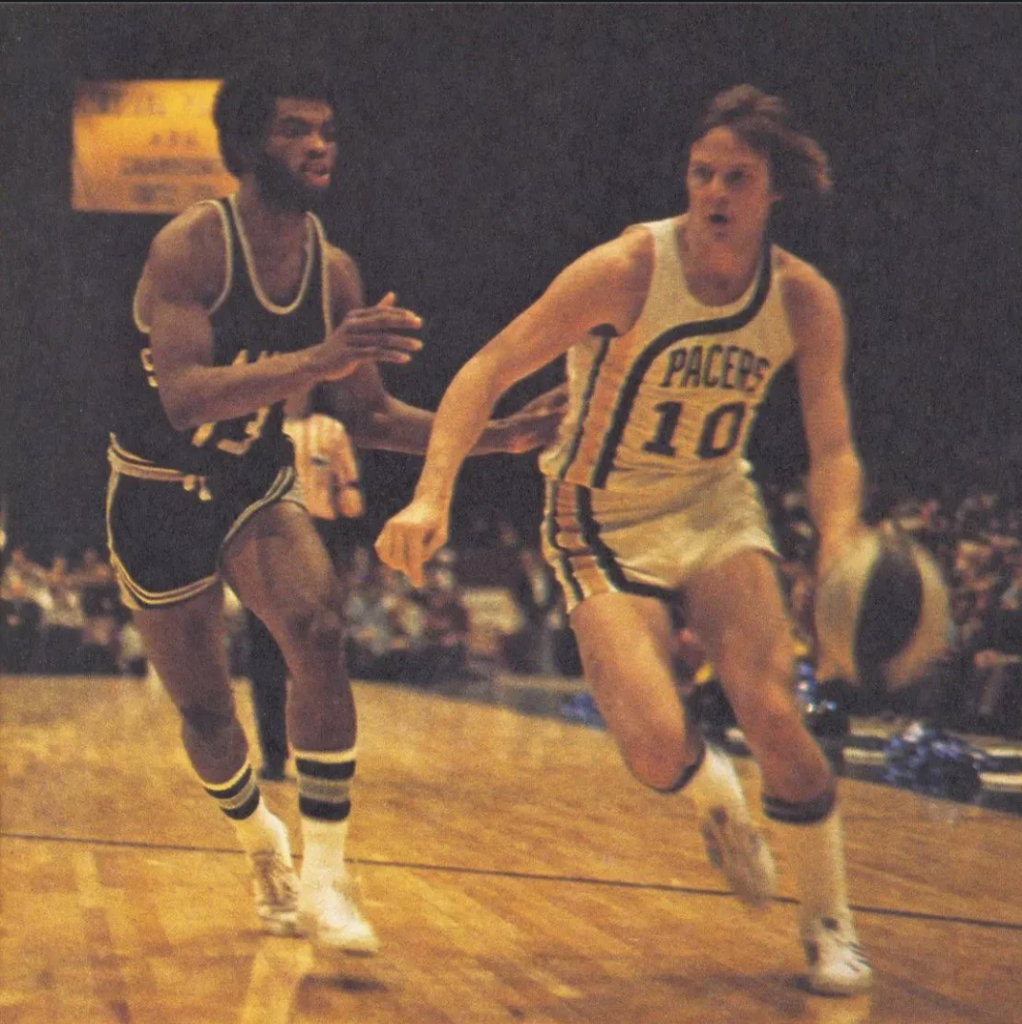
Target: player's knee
[[765, 663], [657, 768], [655, 751], [319, 628], [206, 724]]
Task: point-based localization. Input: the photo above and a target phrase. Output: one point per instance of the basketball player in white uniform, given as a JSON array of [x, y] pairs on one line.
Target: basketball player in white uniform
[[673, 332]]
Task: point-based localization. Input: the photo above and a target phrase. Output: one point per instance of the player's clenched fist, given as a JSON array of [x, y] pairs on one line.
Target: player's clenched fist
[[411, 538]]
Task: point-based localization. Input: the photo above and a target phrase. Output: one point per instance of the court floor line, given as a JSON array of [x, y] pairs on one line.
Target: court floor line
[[455, 869]]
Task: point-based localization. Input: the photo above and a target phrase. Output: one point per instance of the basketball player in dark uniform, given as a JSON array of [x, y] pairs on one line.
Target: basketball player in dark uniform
[[243, 303]]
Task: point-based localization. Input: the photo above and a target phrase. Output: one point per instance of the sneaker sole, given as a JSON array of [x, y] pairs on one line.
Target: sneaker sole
[[857, 989], [359, 947], [281, 928]]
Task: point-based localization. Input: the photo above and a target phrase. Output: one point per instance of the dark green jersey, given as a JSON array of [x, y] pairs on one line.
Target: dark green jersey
[[247, 327]]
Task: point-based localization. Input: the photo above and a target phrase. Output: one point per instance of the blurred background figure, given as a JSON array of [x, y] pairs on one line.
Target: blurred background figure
[[63, 622], [532, 650], [443, 643], [385, 625], [22, 595], [103, 613]]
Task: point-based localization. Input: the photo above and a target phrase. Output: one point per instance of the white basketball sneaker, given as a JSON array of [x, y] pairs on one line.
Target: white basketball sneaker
[[837, 963], [275, 888], [734, 845], [330, 917]]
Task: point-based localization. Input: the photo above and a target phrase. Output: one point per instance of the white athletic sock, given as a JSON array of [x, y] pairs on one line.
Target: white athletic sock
[[324, 803], [261, 830], [819, 858], [715, 783], [239, 798], [323, 863]]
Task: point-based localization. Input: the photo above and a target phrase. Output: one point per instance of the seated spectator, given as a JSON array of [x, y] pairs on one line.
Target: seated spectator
[[441, 651], [22, 594], [101, 607], [997, 661], [62, 623], [532, 650], [131, 654], [385, 625]]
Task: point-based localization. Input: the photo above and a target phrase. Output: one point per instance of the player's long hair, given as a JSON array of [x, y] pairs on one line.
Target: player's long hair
[[799, 168], [244, 104]]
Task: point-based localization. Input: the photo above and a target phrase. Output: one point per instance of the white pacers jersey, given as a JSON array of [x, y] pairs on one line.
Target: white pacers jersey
[[324, 461], [671, 402]]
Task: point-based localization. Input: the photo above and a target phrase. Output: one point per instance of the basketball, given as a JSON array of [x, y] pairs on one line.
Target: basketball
[[882, 611]]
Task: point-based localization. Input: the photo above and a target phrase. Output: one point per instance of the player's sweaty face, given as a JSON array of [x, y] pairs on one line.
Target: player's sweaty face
[[729, 188], [303, 138]]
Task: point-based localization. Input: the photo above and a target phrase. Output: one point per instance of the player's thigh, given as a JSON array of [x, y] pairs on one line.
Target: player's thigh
[[280, 570], [737, 610], [625, 643], [186, 644]]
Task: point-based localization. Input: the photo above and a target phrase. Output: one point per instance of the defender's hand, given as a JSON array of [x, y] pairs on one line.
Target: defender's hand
[[383, 333], [411, 538], [536, 424]]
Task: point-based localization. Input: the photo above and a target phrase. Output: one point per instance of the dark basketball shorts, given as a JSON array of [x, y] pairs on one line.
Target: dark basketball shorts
[[167, 530]]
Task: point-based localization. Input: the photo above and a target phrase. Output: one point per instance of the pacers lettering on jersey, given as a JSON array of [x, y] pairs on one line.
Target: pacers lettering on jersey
[[727, 367]]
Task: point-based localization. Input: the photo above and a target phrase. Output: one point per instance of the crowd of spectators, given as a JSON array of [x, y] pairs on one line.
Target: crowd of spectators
[[975, 540], [401, 634], [67, 618]]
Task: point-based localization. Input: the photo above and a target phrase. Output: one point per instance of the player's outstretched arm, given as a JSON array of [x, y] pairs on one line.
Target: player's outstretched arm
[[377, 419], [597, 288]]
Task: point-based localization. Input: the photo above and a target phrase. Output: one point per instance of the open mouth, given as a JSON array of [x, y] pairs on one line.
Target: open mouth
[[718, 219], [316, 175]]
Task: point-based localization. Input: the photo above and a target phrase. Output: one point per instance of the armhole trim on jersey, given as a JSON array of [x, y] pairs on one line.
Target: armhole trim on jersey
[[136, 315], [654, 230], [327, 297], [225, 223]]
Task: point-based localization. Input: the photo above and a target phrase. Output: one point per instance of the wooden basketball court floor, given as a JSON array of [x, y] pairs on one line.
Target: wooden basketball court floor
[[514, 871]]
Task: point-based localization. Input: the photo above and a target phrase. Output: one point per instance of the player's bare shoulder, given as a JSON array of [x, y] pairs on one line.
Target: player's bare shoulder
[[344, 281], [811, 302], [630, 257], [613, 278], [801, 284], [187, 259]]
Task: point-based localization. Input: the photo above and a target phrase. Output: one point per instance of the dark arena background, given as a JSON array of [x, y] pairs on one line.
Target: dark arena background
[[513, 868], [493, 143]]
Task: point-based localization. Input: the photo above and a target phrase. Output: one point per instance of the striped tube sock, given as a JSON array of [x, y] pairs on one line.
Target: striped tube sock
[[239, 798], [324, 803]]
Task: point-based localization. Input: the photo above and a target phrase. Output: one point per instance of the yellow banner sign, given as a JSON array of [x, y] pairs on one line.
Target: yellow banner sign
[[145, 147]]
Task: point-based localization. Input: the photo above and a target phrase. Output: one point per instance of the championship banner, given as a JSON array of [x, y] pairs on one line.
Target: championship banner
[[145, 147]]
